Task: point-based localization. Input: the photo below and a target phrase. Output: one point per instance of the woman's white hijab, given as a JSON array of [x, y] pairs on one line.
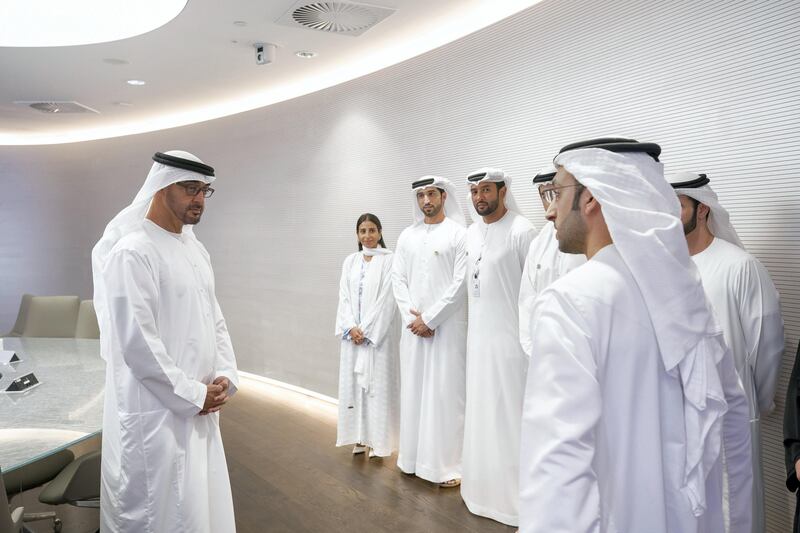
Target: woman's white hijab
[[364, 364]]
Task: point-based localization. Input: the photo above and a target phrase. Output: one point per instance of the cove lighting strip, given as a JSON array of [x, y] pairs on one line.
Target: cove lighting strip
[[436, 33]]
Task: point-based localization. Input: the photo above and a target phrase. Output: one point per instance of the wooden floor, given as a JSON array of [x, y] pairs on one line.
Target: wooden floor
[[287, 475]]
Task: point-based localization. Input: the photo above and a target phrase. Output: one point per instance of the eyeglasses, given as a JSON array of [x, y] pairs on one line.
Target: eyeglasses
[[550, 194], [192, 189]]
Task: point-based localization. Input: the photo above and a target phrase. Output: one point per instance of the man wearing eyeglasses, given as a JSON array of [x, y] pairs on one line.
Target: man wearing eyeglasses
[[545, 262], [629, 376], [497, 243], [170, 362]]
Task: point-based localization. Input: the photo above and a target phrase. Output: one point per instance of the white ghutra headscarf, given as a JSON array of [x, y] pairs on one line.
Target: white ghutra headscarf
[[696, 186], [129, 220], [493, 175], [452, 209], [643, 216]]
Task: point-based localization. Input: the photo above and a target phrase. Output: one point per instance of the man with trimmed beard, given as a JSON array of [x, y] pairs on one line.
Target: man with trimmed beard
[[170, 363], [629, 374], [428, 277], [747, 307], [497, 244]]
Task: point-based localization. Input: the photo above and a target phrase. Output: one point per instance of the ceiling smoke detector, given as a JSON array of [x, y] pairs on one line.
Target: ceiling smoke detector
[[344, 18], [60, 107]]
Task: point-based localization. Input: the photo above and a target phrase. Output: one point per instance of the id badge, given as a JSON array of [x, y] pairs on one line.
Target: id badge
[[476, 288]]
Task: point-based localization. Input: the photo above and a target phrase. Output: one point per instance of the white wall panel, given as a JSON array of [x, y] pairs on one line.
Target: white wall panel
[[714, 82]]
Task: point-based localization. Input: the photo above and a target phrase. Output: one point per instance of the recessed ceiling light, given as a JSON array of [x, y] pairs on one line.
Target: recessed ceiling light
[[240, 23], [441, 31], [305, 54], [58, 23], [136, 82], [115, 61], [123, 104]]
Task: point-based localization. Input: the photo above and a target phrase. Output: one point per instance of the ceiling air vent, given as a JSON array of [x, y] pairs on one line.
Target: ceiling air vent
[[52, 107], [344, 18]]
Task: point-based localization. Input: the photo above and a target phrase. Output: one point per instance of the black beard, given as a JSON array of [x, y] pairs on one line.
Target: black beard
[[692, 224], [490, 208], [434, 210], [572, 234], [189, 218]]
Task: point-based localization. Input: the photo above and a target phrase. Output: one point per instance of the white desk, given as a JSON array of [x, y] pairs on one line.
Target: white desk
[[65, 408]]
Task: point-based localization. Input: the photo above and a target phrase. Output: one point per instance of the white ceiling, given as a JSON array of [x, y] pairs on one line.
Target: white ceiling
[[201, 66]]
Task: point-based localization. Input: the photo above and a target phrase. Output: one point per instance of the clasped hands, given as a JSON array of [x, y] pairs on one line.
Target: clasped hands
[[418, 327], [356, 335], [216, 395]]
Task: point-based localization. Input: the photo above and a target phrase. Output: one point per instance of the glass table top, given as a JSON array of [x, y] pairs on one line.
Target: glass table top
[[63, 409]]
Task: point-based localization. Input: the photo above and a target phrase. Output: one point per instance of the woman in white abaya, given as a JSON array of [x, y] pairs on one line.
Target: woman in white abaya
[[366, 322]]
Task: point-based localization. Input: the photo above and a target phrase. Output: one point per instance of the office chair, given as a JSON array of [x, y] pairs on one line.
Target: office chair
[[10, 521], [22, 315], [87, 327], [35, 475], [52, 316], [77, 484]]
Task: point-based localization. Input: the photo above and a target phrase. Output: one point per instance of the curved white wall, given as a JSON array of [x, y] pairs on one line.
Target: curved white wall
[[716, 83]]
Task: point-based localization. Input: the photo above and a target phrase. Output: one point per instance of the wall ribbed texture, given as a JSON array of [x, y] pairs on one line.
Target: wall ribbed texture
[[714, 82]]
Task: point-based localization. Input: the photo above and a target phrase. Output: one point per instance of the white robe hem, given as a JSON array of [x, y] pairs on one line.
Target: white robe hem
[[430, 474], [503, 518]]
